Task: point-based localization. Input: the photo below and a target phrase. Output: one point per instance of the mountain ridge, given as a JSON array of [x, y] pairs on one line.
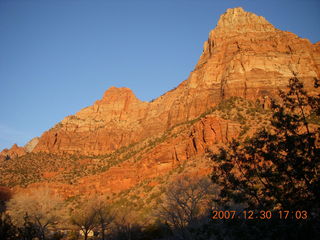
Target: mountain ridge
[[244, 56]]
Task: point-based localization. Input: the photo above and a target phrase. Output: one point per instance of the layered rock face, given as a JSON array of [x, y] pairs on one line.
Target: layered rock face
[[184, 144], [189, 144], [244, 56]]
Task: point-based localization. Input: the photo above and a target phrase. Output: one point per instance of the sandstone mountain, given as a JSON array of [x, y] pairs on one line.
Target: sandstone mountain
[[121, 143], [244, 56]]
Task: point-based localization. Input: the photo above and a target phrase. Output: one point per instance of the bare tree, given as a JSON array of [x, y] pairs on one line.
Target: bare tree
[[104, 214], [84, 217], [186, 200], [92, 213], [41, 208], [127, 223]]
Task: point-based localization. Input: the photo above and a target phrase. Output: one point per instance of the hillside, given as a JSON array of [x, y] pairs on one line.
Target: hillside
[[125, 147]]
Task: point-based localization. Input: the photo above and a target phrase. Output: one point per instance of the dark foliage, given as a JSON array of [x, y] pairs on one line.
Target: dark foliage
[[28, 231], [278, 168], [7, 229]]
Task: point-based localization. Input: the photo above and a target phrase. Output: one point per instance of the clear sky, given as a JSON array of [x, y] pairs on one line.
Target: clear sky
[[57, 57]]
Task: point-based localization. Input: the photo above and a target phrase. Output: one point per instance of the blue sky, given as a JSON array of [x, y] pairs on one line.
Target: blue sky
[[57, 57]]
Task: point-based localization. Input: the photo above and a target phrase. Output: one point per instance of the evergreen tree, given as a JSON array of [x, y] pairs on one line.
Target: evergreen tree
[[279, 167]]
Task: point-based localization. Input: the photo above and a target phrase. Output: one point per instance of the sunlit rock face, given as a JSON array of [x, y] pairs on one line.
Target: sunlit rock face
[[244, 56]]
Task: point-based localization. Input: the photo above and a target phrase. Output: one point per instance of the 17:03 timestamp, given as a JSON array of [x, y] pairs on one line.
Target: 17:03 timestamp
[[251, 214]]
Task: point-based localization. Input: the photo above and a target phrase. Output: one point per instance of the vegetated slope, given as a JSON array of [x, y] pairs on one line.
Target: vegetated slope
[[143, 169]]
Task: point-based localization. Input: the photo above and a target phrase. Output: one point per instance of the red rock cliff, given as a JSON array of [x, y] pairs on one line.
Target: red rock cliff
[[244, 56]]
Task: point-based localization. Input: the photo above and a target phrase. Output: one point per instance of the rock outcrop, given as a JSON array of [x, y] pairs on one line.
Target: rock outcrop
[[31, 144], [244, 56], [16, 151], [13, 152]]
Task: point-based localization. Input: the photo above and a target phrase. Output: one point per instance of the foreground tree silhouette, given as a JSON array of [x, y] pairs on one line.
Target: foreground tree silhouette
[[91, 214], [104, 215], [7, 229], [186, 201], [279, 167], [85, 218]]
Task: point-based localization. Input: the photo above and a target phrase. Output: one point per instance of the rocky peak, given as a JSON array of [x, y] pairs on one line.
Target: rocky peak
[[114, 94], [15, 146], [13, 152], [116, 101], [236, 20]]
